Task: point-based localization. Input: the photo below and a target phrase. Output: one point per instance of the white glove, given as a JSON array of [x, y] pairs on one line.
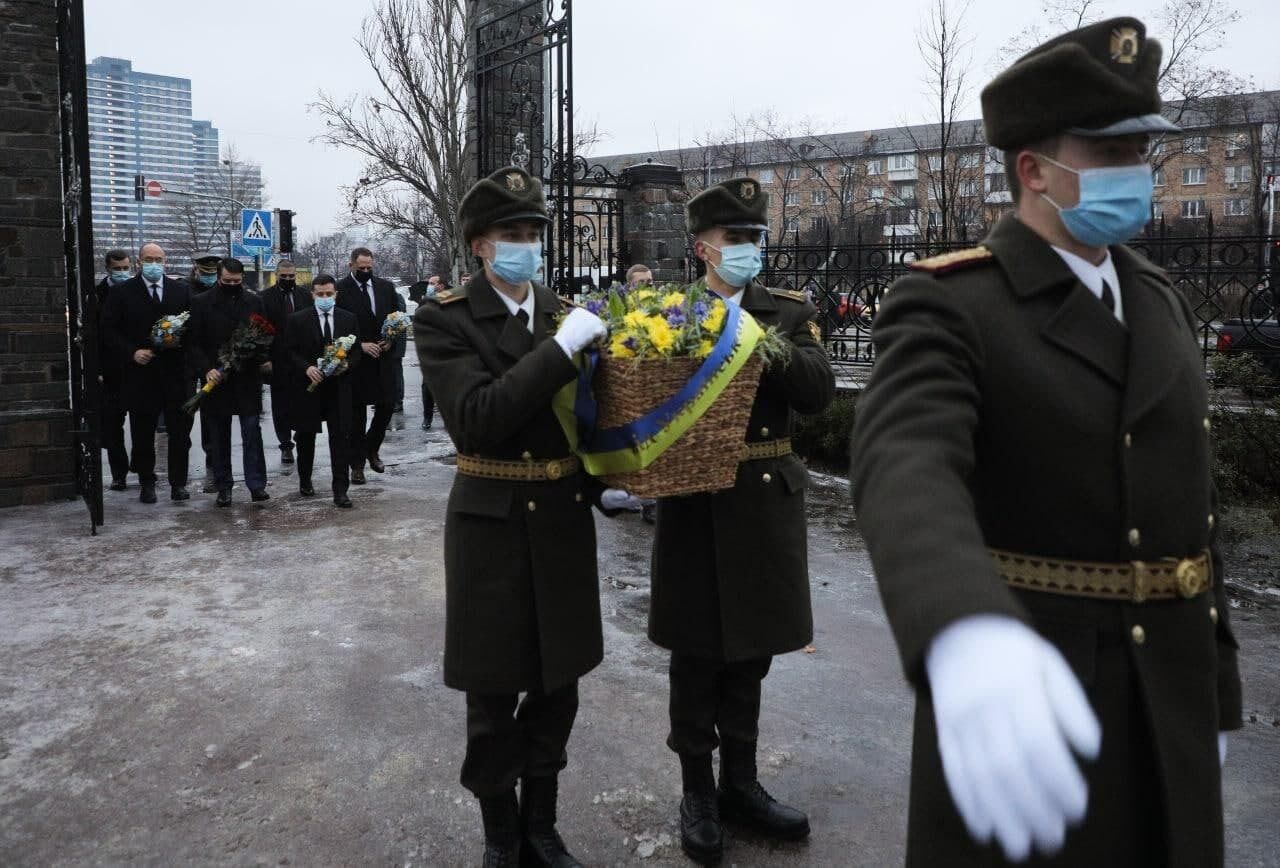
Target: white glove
[[580, 328], [1222, 749], [616, 498], [1009, 712]]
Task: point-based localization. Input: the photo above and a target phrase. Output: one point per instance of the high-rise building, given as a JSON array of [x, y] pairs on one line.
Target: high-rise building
[[141, 123]]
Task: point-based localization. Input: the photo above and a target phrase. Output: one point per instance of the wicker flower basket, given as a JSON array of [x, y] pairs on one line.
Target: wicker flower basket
[[706, 457]]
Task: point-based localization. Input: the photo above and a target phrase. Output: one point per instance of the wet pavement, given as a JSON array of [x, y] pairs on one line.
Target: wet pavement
[[261, 685]]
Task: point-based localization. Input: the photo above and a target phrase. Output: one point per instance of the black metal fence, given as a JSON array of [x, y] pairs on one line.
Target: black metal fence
[[1223, 276]]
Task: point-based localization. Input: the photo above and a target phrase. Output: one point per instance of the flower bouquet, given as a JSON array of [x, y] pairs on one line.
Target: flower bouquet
[[166, 334], [334, 361], [662, 409], [246, 349], [395, 325]]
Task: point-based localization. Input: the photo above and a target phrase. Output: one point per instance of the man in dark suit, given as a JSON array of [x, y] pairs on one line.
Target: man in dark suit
[[279, 302], [522, 592], [370, 299], [153, 382], [1032, 472], [730, 569], [215, 315], [119, 272], [395, 362], [308, 332]]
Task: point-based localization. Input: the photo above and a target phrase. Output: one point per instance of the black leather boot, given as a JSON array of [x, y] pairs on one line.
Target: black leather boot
[[501, 816], [701, 835], [745, 802], [542, 845]]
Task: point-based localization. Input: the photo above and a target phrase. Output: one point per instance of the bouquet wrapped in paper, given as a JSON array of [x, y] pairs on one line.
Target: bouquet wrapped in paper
[[247, 348], [395, 325], [166, 334], [336, 359], [662, 408]]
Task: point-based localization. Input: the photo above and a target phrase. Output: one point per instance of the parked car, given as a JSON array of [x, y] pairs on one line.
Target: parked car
[[1260, 338]]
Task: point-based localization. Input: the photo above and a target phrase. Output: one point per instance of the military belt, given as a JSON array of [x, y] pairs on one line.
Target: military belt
[[767, 449], [528, 470], [1134, 582]]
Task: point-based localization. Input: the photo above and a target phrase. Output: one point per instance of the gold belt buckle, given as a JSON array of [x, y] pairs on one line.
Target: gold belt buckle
[[1189, 578], [554, 470]]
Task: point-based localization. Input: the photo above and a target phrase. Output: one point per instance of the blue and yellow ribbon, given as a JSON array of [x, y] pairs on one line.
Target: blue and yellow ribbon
[[637, 444]]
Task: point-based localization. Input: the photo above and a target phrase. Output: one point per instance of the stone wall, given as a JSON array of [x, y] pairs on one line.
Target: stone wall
[[653, 219], [36, 446]]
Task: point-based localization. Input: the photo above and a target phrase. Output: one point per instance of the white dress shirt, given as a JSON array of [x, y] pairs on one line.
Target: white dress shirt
[[513, 308], [322, 315], [1092, 276], [736, 298], [159, 288]]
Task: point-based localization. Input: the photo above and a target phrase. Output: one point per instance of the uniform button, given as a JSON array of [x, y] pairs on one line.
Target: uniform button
[[1139, 634], [764, 432], [527, 456], [578, 497], [767, 478], [1135, 538], [1207, 424], [1210, 521], [1128, 441], [1213, 614], [532, 506]]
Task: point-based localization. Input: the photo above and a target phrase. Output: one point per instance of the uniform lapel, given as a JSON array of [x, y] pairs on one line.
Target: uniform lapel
[[1157, 329], [546, 306], [757, 301], [514, 339]]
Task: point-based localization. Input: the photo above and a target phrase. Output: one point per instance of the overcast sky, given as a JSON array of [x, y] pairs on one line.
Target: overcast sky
[[646, 72]]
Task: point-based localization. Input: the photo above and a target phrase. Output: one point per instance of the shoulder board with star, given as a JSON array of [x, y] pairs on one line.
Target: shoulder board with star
[[956, 260], [789, 293], [448, 296]]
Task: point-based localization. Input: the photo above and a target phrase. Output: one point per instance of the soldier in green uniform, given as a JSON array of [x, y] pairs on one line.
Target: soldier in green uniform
[[522, 592], [730, 575], [1031, 468]]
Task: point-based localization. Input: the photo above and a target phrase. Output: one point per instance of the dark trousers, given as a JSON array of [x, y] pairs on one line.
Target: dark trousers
[[142, 427], [339, 439], [713, 700], [113, 435], [279, 421], [508, 739], [398, 376], [255, 463], [367, 436], [428, 404]]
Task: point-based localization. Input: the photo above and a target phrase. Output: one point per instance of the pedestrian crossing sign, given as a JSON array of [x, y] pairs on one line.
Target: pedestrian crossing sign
[[255, 229]]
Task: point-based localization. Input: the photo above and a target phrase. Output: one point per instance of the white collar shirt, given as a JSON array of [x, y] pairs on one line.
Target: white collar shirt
[[513, 308], [1092, 276], [736, 298]]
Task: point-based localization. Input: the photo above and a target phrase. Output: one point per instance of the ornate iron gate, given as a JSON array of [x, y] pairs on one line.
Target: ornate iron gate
[[524, 115], [77, 233]]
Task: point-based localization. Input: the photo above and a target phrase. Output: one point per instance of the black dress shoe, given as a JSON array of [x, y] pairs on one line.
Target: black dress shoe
[[224, 497], [357, 476], [286, 454], [148, 494], [305, 489], [259, 495], [209, 486], [342, 500], [118, 485], [376, 465], [744, 802], [701, 835], [179, 492], [398, 408], [426, 424]]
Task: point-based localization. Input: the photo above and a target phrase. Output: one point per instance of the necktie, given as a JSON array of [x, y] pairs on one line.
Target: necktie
[[328, 335], [523, 316], [288, 299], [1108, 297], [155, 292], [368, 288]]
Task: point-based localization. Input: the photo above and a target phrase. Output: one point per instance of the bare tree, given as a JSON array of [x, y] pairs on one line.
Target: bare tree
[[328, 253], [205, 220], [412, 131]]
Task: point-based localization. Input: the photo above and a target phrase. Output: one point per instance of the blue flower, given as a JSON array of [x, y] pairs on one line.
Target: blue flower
[[596, 306], [675, 316], [700, 310]]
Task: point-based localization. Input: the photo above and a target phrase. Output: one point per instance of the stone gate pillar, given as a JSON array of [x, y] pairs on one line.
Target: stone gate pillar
[[37, 457], [653, 218]]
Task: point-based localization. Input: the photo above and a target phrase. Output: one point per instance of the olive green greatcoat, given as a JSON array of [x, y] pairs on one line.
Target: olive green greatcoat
[[730, 575], [1009, 408]]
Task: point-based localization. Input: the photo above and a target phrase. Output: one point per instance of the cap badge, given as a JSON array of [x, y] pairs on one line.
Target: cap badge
[[1124, 44], [516, 182], [747, 191]]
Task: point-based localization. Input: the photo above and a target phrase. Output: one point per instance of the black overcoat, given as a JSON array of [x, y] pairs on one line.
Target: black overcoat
[[214, 316], [275, 307], [127, 320], [522, 592], [303, 344], [371, 382], [1008, 408], [730, 574]]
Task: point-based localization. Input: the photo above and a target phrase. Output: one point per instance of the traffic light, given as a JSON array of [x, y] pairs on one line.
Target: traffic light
[[139, 188], [286, 231]]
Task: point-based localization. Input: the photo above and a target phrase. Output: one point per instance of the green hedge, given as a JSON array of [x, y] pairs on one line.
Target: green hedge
[[823, 440]]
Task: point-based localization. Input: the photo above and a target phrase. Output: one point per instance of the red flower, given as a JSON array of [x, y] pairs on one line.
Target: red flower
[[261, 322]]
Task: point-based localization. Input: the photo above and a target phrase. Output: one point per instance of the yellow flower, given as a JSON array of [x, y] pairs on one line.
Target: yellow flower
[[704, 349], [645, 294], [635, 319], [673, 299], [618, 347], [164, 324], [340, 354], [715, 319], [660, 334]]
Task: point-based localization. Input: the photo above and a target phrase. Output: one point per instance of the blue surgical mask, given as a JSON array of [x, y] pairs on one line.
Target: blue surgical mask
[[325, 305], [120, 275], [1115, 203], [153, 271], [739, 263], [516, 262], [207, 279]]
